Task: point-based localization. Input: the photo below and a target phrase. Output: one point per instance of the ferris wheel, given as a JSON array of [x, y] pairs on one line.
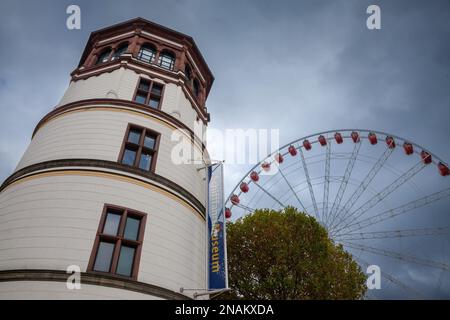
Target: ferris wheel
[[384, 198]]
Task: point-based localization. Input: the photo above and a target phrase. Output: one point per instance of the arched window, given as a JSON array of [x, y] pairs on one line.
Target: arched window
[[188, 72], [120, 51], [104, 56], [166, 60], [196, 87], [147, 53]]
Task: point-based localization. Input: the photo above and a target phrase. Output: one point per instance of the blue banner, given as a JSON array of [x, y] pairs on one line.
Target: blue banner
[[217, 270]]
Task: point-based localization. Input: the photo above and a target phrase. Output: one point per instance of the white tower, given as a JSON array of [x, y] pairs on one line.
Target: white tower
[[97, 187]]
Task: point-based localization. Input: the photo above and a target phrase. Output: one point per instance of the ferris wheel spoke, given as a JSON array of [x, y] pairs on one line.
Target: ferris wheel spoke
[[364, 184], [308, 179], [244, 207], [392, 213], [326, 184], [382, 194], [392, 279], [397, 255], [344, 183], [394, 234], [269, 194], [292, 189]]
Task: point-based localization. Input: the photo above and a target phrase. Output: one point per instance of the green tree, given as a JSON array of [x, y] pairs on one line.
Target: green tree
[[288, 255]]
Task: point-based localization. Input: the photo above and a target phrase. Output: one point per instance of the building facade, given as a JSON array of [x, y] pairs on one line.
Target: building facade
[[98, 189]]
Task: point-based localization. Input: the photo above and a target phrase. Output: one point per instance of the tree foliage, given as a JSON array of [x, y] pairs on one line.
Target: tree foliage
[[288, 255]]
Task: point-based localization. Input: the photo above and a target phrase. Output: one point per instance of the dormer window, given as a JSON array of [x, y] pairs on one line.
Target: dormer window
[[120, 51], [104, 56], [147, 53], [166, 60]]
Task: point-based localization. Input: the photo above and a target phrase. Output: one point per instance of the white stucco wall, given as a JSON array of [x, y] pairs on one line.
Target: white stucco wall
[[47, 290], [50, 221], [98, 134], [121, 84]]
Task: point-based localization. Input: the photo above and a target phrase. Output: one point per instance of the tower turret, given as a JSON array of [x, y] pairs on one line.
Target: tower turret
[[97, 188]]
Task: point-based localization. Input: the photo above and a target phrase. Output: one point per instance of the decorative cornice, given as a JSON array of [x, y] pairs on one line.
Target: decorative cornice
[[120, 103], [91, 279], [55, 165], [86, 72], [140, 67]]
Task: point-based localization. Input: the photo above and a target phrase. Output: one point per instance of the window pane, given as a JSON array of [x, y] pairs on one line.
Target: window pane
[[134, 136], [119, 51], [103, 57], [187, 72], [157, 89], [128, 157], [146, 54], [104, 256], [112, 223], [140, 98], [144, 85], [125, 264], [154, 102], [132, 228], [196, 88], [149, 142], [166, 61], [145, 161]]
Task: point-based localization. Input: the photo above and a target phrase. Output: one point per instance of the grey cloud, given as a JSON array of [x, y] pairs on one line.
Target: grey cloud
[[300, 66]]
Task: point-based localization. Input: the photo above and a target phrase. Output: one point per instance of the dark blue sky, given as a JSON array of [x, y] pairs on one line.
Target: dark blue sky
[[298, 66]]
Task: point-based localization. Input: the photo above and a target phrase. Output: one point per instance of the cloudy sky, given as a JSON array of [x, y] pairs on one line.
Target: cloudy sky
[[297, 66]]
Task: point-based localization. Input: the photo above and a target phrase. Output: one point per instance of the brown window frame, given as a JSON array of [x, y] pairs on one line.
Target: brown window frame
[[115, 56], [106, 59], [150, 47], [163, 63], [140, 147], [118, 240], [149, 94]]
